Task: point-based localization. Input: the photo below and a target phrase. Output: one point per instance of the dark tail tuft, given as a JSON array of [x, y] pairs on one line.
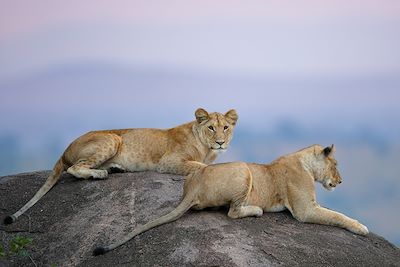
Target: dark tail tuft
[[9, 219], [100, 251]]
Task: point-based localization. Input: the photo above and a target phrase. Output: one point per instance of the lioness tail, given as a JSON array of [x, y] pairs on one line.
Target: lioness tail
[[50, 182], [184, 206]]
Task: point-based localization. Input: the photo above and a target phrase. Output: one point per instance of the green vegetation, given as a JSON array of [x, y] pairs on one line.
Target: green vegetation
[[17, 246], [2, 252]]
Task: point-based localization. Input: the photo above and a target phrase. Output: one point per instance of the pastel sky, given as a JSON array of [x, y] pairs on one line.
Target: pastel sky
[[256, 37], [298, 72], [234, 40], [25, 17]]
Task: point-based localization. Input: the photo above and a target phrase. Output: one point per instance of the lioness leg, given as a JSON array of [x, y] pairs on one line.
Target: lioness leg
[[83, 169], [179, 167], [244, 211], [325, 216], [90, 153], [243, 181]]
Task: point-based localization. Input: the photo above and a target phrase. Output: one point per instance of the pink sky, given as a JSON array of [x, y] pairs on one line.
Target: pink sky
[[18, 18], [249, 37]]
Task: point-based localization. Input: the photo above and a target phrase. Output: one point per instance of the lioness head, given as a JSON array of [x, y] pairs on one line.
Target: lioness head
[[215, 130], [331, 177]]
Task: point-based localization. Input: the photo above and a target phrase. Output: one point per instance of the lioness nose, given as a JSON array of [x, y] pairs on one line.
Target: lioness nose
[[220, 142]]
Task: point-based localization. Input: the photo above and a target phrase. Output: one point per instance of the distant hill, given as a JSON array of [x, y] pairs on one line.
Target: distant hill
[[133, 87]]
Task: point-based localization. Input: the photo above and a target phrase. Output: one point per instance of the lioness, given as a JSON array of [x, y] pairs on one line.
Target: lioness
[[178, 150], [251, 189]]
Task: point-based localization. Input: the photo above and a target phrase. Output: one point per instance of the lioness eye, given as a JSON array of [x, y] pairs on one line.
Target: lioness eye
[[226, 127], [211, 128]]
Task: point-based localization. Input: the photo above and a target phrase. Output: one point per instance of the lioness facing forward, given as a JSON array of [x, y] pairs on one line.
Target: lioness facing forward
[[178, 150], [251, 189]]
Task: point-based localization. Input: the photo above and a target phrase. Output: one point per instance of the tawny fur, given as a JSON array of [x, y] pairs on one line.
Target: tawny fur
[[180, 150], [251, 189]]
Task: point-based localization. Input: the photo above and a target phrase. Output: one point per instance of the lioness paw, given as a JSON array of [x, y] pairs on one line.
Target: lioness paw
[[258, 212], [99, 174], [364, 230], [359, 229]]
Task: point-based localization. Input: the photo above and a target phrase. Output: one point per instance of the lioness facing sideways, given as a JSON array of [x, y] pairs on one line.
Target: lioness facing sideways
[[251, 189], [178, 150]]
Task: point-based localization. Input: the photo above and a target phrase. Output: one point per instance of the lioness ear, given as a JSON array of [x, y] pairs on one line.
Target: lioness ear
[[328, 150], [231, 116], [201, 115]]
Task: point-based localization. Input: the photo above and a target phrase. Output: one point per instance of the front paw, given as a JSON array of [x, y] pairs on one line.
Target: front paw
[[359, 229], [258, 212], [99, 174]]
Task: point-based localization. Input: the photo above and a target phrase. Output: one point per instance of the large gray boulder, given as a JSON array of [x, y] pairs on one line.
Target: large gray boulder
[[77, 215]]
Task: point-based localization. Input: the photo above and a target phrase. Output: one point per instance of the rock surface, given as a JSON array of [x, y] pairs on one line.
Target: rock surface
[[77, 215]]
